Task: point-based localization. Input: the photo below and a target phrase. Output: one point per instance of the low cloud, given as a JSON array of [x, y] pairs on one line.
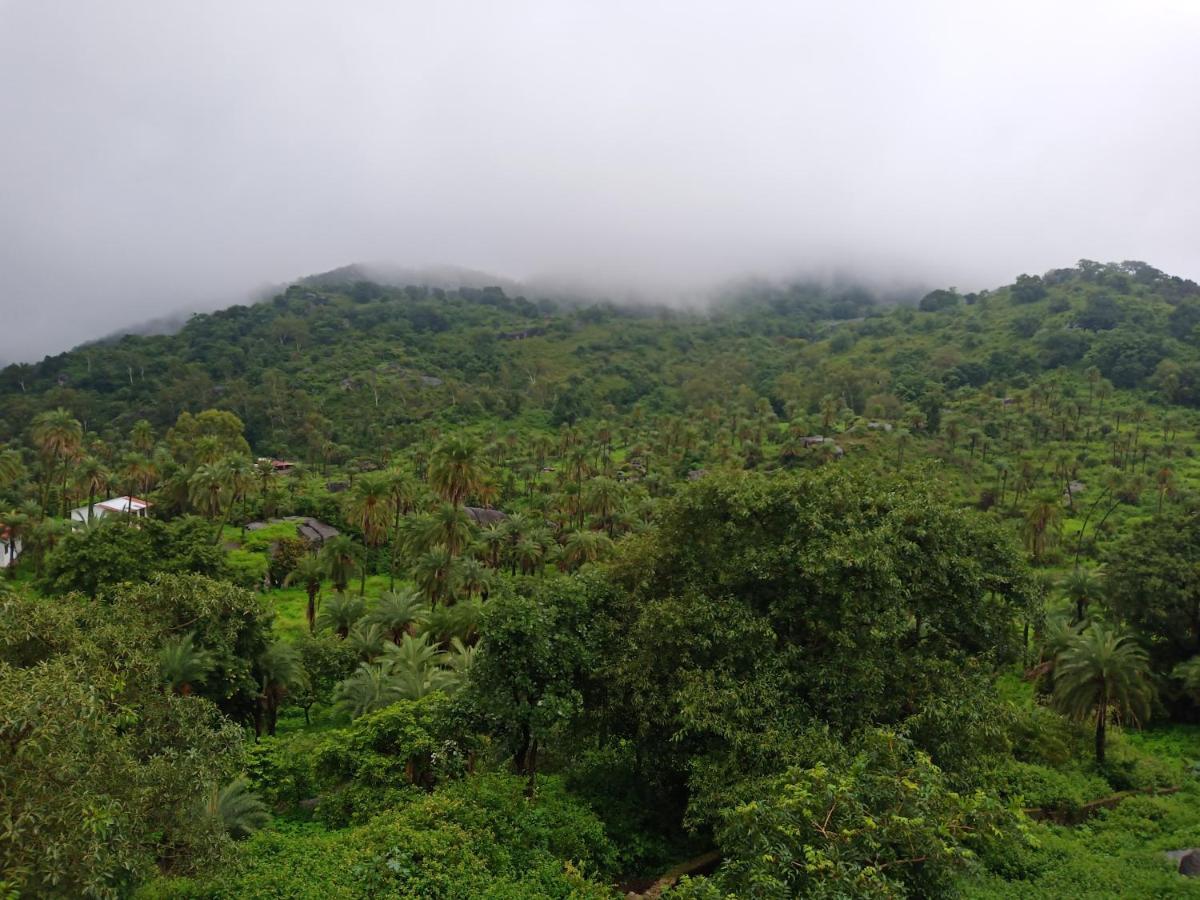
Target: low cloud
[[165, 157]]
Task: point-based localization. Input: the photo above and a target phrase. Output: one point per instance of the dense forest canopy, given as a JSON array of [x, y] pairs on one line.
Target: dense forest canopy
[[452, 593]]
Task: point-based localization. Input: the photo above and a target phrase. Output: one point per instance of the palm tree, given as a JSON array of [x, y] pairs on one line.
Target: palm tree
[[1164, 478], [458, 621], [280, 671], [371, 687], [584, 547], [340, 612], [264, 471], [413, 684], [239, 476], [91, 478], [602, 498], [367, 639], [491, 543], [309, 571], [138, 473], [530, 552], [1082, 587], [434, 573], [1042, 524], [238, 809], [57, 435], [399, 613], [474, 578], [461, 657], [11, 467], [341, 555], [414, 665], [450, 527], [141, 436], [413, 652], [184, 665], [404, 493], [456, 471], [1100, 673], [369, 508], [208, 490]]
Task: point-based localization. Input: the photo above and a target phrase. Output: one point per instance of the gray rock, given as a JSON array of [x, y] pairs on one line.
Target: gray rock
[[1189, 865]]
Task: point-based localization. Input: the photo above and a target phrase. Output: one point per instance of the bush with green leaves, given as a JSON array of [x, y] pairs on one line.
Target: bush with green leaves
[[102, 768], [230, 624], [407, 744], [764, 604], [116, 550], [479, 837], [877, 820], [1117, 853]]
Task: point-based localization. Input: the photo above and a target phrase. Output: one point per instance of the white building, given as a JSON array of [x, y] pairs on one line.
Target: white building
[[130, 506], [10, 548]]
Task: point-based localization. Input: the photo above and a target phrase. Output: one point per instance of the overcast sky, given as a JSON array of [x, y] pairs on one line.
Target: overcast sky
[[161, 155]]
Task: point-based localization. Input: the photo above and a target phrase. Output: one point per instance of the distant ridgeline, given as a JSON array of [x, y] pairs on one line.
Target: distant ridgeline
[[367, 366]]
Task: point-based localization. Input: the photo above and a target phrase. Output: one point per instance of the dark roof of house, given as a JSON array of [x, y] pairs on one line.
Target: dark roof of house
[[313, 530], [485, 516]]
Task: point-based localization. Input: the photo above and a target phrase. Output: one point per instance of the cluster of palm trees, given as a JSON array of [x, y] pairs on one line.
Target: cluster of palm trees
[[406, 648], [185, 665], [1035, 445], [440, 542]]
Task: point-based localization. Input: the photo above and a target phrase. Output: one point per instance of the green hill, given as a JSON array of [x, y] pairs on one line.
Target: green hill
[[835, 596]]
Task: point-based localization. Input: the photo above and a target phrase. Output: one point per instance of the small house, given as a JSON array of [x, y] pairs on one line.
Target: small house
[[314, 531], [126, 506], [10, 547]]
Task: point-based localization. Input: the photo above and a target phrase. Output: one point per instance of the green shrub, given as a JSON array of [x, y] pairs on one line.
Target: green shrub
[[1043, 787], [406, 746], [246, 569], [479, 837]]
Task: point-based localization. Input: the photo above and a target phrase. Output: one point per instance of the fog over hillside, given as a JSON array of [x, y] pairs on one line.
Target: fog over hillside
[[162, 158]]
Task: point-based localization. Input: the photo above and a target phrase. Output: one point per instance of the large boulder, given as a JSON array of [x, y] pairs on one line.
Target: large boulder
[[1189, 864]]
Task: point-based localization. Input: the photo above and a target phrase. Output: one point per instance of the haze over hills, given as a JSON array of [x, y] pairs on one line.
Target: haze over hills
[[902, 508], [559, 290], [552, 449]]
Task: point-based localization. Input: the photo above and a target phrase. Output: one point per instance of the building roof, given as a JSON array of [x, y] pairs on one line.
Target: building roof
[[313, 530], [115, 505], [124, 504]]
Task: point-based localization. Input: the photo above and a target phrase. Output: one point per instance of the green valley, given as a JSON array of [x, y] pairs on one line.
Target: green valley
[[389, 590]]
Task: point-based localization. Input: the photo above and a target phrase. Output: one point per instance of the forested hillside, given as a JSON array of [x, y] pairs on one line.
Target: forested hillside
[[453, 593]]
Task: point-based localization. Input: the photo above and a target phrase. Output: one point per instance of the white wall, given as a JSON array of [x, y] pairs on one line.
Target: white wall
[[5, 558]]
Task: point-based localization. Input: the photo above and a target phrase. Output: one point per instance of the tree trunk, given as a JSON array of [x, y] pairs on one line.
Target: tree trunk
[[520, 758], [1101, 725], [531, 770], [221, 523]]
